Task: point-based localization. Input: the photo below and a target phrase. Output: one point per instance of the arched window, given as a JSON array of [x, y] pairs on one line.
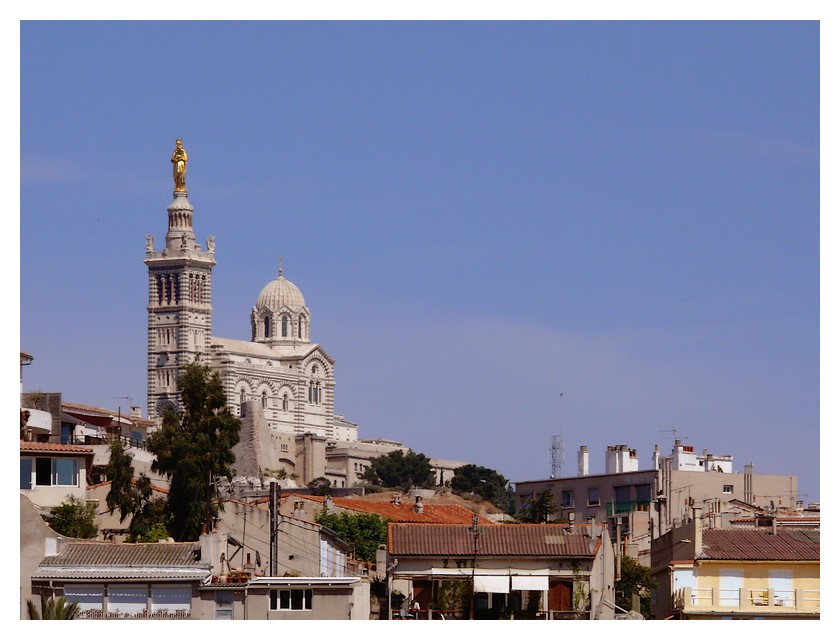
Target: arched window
[[285, 402], [241, 396], [300, 327], [264, 399], [267, 326], [284, 324]]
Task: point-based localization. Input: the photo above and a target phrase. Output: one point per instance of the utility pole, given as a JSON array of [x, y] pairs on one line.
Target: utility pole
[[475, 532], [272, 549]]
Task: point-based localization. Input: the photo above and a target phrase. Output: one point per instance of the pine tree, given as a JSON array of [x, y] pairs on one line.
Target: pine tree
[[194, 448]]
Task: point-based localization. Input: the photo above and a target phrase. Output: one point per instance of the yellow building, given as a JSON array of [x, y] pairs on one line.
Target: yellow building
[[738, 573]]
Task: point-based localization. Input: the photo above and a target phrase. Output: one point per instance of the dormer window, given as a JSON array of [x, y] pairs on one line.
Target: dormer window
[[284, 326], [267, 326]]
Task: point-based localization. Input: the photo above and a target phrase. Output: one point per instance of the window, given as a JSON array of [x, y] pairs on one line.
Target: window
[[26, 473], [727, 488], [593, 497], [171, 601], [224, 605], [301, 322], [241, 396], [127, 601], [284, 326], [290, 599], [56, 472], [90, 597], [285, 402], [267, 326], [567, 499], [264, 399], [315, 392]]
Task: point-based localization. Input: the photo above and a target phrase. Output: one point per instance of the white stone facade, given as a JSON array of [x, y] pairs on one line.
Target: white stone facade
[[280, 372]]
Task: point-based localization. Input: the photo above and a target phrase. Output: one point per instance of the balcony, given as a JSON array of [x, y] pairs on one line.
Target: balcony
[[753, 602], [614, 508]]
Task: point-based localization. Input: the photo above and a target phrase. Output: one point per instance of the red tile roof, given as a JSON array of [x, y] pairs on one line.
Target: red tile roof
[[404, 512], [53, 447], [744, 544], [543, 540]]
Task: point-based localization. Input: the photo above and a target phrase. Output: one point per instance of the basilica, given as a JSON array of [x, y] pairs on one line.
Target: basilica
[[280, 383]]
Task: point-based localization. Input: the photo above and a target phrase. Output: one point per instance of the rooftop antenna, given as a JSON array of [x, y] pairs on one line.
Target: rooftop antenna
[[674, 433], [129, 398]]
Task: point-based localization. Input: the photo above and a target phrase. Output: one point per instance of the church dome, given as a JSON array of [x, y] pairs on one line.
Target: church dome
[[280, 293]]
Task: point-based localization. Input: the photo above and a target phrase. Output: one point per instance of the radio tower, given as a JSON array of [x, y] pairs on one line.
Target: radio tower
[[558, 454]]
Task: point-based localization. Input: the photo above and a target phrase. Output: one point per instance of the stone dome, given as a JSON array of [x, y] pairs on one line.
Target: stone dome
[[280, 293]]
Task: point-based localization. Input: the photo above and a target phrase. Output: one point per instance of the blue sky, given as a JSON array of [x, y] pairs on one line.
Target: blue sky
[[482, 216]]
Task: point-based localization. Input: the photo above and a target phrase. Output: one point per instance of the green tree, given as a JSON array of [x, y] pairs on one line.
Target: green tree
[[74, 518], [364, 532], [120, 472], [320, 486], [134, 498], [486, 483], [53, 609], [400, 470], [636, 579], [194, 448], [538, 509]]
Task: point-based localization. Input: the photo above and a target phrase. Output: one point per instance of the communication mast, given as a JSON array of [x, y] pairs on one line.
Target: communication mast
[[558, 455]]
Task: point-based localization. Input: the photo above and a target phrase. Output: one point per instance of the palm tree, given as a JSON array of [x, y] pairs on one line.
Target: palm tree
[[53, 609]]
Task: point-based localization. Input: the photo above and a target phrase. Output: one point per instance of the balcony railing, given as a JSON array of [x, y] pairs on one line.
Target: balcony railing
[[627, 506], [694, 599], [163, 614]]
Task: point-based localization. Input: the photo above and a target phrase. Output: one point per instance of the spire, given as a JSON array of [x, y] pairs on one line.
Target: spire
[[280, 274]]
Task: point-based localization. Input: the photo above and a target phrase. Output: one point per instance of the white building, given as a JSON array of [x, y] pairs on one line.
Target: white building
[[280, 383]]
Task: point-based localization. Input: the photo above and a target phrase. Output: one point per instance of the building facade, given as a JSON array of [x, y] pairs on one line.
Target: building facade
[[642, 504], [761, 572]]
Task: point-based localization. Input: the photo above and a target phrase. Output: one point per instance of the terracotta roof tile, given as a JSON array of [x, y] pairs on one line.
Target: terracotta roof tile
[[53, 447], [743, 544], [433, 513], [498, 540]]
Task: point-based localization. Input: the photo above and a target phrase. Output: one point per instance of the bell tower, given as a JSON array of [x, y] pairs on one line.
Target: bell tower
[[179, 310]]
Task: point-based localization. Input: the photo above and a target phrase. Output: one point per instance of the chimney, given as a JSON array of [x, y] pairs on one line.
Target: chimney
[[135, 412], [656, 456], [591, 520], [328, 504], [583, 461], [696, 514], [418, 504]]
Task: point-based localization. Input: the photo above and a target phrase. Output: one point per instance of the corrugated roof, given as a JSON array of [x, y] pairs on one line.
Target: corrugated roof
[[53, 447], [125, 554], [541, 540], [744, 544], [161, 574]]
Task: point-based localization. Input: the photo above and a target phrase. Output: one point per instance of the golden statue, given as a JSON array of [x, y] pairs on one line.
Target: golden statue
[[179, 166]]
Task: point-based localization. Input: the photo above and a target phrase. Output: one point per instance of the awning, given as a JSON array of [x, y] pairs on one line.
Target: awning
[[492, 584], [529, 583]]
